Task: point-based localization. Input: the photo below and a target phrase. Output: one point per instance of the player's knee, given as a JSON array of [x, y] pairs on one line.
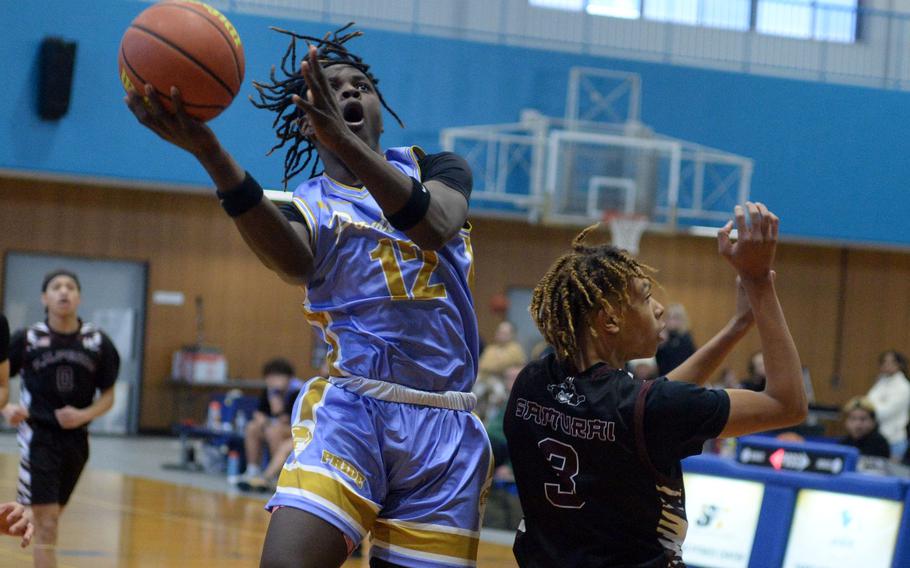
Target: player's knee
[[46, 527]]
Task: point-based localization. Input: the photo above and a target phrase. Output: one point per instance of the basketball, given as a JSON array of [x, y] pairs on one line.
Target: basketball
[[188, 45]]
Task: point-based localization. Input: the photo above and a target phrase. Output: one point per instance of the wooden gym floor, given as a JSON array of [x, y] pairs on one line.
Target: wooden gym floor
[[116, 520]]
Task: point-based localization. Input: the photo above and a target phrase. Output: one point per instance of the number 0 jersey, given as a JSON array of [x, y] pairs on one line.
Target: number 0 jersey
[[60, 369], [387, 309], [596, 458]]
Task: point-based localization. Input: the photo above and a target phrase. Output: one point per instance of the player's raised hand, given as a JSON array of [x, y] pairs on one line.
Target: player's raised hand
[[752, 254], [178, 128], [323, 113]]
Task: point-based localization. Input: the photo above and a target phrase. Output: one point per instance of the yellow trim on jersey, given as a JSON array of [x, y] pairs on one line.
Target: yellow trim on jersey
[[323, 321], [454, 545], [323, 487], [308, 217], [304, 423], [416, 152], [358, 193], [469, 253]]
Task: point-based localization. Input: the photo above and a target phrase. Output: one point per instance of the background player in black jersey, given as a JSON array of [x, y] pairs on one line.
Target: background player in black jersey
[[596, 454], [63, 363]]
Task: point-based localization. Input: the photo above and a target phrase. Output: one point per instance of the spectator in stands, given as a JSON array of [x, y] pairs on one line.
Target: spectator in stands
[[503, 508], [271, 423], [890, 396], [502, 353], [678, 344], [755, 381], [862, 428], [493, 425]]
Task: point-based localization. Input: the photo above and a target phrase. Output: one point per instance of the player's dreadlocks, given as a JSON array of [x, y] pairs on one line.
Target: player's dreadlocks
[[577, 286], [276, 95]]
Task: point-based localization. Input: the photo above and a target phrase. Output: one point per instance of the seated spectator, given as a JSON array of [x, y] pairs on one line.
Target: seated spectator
[[755, 381], [503, 508], [862, 429], [678, 344], [890, 396], [271, 424], [502, 353]]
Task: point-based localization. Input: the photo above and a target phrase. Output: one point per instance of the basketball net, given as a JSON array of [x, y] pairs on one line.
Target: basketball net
[[626, 230]]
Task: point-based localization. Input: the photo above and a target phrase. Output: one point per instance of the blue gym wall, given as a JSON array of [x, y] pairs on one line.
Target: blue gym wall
[[832, 160]]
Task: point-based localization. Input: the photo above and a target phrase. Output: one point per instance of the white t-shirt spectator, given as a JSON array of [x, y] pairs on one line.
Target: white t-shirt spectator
[[891, 397]]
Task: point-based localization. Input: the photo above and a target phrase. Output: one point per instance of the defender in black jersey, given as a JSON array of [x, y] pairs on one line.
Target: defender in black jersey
[[596, 453], [63, 362]]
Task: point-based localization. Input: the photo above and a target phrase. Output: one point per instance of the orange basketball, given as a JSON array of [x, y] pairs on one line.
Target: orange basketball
[[188, 45]]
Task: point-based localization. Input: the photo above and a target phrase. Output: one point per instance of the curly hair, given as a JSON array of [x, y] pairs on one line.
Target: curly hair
[[577, 286], [276, 95]]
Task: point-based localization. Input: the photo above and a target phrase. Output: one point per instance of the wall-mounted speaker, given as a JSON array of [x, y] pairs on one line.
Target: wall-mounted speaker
[[56, 59]]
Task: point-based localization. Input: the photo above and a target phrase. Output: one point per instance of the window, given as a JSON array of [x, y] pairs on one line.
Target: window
[[630, 9], [727, 14], [570, 5], [825, 20], [831, 20]]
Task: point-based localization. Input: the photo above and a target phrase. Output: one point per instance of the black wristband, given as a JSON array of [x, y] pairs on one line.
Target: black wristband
[[240, 200], [414, 210]]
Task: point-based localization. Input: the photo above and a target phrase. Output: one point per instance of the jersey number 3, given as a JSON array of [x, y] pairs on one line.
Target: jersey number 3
[[564, 460], [384, 253]]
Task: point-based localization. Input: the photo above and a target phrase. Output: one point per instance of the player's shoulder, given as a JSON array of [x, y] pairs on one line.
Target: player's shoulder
[[543, 370], [308, 188]]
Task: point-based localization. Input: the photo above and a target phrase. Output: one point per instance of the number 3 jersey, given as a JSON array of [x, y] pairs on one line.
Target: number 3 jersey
[[61, 369], [596, 458], [387, 309]]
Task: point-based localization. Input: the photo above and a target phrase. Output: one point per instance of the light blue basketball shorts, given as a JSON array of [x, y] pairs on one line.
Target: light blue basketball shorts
[[411, 468]]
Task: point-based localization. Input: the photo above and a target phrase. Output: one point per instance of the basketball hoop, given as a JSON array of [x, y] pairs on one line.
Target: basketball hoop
[[626, 229]]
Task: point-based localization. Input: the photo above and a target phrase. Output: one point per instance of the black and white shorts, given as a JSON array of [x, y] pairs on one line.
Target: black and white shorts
[[51, 461]]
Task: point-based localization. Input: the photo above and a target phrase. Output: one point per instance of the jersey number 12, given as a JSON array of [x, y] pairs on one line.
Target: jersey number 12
[[384, 253]]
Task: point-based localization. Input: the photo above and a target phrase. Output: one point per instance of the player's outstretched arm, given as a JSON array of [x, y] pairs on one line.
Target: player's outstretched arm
[[280, 245], [703, 363], [783, 402], [448, 209]]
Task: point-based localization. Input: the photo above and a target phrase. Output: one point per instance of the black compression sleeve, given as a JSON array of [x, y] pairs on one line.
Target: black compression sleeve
[[291, 213], [448, 168]]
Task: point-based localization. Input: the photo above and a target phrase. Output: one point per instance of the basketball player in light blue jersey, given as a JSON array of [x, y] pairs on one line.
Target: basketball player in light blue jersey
[[386, 444]]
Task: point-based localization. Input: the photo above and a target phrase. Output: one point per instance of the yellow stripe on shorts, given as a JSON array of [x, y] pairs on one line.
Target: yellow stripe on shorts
[[426, 541], [324, 488]]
